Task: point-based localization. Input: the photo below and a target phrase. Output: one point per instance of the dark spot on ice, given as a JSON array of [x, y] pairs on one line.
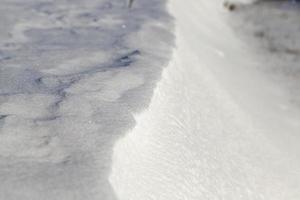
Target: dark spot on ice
[[85, 15], [126, 60], [60, 18], [259, 34], [47, 119], [229, 6], [3, 116], [4, 57], [292, 51], [38, 80], [73, 32]]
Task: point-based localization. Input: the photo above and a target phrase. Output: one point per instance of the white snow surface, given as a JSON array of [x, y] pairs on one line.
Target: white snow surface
[[216, 128]]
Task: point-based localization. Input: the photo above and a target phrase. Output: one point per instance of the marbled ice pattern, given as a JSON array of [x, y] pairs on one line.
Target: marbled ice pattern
[[72, 74]]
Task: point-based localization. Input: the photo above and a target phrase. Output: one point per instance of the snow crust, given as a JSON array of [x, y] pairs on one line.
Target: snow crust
[[216, 128], [72, 73]]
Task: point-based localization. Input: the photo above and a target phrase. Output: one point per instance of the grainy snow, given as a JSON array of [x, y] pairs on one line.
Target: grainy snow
[[218, 127], [76, 76]]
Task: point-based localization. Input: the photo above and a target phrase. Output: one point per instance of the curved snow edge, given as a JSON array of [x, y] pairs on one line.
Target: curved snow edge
[[196, 140]]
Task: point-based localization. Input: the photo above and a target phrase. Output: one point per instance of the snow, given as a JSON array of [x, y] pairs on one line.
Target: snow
[[98, 102], [72, 74], [217, 127]]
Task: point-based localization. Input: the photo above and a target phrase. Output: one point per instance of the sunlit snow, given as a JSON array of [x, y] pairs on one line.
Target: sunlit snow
[[149, 100]]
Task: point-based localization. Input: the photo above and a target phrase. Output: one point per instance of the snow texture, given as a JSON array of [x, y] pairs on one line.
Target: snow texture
[[72, 74], [218, 126]]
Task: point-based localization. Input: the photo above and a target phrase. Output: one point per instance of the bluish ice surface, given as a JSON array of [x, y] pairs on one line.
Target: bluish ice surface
[[72, 75]]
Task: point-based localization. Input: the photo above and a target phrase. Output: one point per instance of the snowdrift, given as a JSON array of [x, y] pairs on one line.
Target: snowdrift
[[215, 128]]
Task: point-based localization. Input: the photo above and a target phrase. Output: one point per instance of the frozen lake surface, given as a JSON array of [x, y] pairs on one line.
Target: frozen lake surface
[[72, 74]]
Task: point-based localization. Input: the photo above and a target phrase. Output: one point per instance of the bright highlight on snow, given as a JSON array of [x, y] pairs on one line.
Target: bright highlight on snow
[[221, 123]]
